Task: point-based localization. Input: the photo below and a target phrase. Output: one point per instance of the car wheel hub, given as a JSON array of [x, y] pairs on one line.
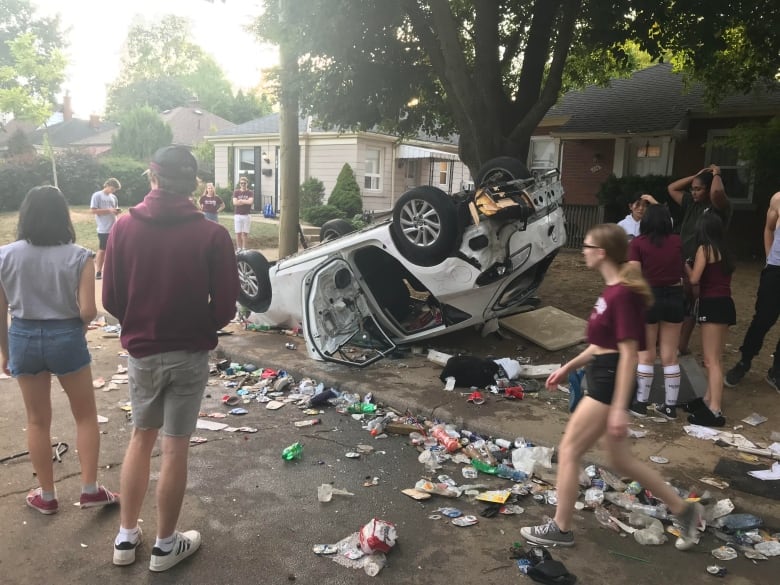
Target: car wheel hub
[[420, 223], [247, 278]]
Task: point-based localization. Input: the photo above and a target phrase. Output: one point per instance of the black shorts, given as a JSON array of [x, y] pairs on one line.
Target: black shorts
[[103, 239], [601, 373], [718, 310], [669, 305]]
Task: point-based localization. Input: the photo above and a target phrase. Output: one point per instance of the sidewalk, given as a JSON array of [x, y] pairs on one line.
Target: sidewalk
[[413, 384]]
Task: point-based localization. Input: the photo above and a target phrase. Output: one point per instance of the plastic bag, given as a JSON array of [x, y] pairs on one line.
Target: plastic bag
[[377, 536]]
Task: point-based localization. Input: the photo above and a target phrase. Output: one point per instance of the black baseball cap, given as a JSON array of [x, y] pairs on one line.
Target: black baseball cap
[[174, 163]]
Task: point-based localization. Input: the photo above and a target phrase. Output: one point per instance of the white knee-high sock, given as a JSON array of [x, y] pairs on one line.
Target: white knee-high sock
[[644, 381], [672, 383]]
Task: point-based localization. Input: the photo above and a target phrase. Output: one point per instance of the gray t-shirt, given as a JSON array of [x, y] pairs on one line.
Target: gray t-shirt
[[42, 282], [101, 200]]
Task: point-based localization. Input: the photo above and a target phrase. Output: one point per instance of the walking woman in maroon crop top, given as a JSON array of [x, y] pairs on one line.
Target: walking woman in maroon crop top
[[616, 332], [711, 272]]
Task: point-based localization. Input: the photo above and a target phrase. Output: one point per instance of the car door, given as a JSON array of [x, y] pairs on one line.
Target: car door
[[338, 319]]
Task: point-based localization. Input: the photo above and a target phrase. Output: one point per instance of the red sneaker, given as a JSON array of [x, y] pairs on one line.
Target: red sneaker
[[35, 500], [103, 497]]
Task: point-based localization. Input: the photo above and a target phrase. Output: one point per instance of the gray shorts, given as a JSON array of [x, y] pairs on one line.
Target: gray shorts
[[166, 390]]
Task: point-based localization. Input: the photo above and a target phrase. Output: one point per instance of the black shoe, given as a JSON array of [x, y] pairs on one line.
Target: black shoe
[[638, 409], [772, 379], [667, 411], [734, 375], [98, 275], [694, 405], [706, 418]]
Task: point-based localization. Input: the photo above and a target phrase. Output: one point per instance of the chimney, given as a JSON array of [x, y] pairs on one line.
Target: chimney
[[94, 121], [67, 108]]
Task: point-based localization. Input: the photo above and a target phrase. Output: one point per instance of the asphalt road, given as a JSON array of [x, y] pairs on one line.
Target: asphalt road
[[260, 517]]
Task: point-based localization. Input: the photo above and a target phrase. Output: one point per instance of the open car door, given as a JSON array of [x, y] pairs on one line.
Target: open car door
[[338, 321]]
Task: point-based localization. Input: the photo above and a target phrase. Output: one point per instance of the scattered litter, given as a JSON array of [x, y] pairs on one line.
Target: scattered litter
[[102, 419], [238, 411], [416, 494], [111, 386], [325, 549], [209, 425], [725, 553], [464, 521], [450, 385], [352, 455], [274, 405], [635, 434], [717, 570], [718, 483], [770, 548], [294, 451], [198, 440], [721, 508], [326, 491], [754, 419], [658, 459], [767, 474], [495, 496], [98, 383], [307, 423]]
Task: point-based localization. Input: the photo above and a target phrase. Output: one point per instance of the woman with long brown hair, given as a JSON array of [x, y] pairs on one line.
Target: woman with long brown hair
[[616, 332]]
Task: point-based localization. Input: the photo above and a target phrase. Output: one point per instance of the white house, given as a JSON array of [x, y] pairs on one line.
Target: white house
[[385, 166]]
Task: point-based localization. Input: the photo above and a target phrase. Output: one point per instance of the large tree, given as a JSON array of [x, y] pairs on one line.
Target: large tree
[[490, 69], [162, 67], [141, 132]]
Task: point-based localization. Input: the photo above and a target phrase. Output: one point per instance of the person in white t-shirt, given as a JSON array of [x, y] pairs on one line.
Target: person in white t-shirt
[[105, 208], [636, 205]]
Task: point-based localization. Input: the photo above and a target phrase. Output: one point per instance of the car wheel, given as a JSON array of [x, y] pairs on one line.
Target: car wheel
[[501, 170], [255, 293], [335, 228], [425, 225]]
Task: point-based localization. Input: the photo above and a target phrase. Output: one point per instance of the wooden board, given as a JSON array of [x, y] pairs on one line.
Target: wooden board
[[547, 327]]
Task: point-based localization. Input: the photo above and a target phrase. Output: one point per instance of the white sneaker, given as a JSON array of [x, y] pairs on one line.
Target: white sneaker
[[184, 545], [124, 552]]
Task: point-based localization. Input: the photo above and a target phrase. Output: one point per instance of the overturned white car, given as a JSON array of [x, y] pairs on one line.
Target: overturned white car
[[441, 263]]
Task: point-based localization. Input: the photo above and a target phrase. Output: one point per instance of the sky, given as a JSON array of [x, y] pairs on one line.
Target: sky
[[98, 29]]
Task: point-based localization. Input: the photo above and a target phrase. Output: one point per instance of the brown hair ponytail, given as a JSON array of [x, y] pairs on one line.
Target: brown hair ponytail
[[612, 239]]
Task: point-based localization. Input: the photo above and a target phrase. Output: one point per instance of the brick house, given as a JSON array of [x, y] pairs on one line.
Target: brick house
[[651, 123]]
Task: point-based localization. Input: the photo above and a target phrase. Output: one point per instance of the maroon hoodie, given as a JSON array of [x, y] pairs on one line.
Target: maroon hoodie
[[170, 276]]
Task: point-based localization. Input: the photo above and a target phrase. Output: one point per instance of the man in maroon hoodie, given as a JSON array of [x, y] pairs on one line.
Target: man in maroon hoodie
[[170, 278]]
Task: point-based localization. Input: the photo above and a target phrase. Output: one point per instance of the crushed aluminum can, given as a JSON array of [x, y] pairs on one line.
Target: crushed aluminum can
[[325, 549], [724, 553], [551, 497], [450, 512], [352, 455], [717, 570], [289, 345]]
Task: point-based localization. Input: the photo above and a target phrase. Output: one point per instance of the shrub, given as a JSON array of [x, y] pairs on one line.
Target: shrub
[[312, 193], [322, 213], [78, 176], [226, 194], [20, 174], [135, 185], [615, 194], [346, 194]]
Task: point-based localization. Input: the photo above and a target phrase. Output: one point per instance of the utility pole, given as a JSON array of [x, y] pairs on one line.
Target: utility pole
[[289, 151]]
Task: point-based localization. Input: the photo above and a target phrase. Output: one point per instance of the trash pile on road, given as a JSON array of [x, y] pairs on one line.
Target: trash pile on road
[[482, 462]]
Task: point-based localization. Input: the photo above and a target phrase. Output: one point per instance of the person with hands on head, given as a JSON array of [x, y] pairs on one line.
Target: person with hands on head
[[698, 194], [637, 206], [49, 283], [615, 333]]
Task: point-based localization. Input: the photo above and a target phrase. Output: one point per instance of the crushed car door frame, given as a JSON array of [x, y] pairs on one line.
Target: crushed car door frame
[[338, 320]]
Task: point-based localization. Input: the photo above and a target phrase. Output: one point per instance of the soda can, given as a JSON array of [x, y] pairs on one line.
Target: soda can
[[634, 488], [289, 345]]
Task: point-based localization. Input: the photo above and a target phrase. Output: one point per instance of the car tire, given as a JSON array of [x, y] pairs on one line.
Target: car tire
[[335, 228], [255, 292], [425, 225], [501, 170]]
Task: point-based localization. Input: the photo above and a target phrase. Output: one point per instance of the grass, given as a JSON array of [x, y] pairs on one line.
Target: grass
[[261, 235]]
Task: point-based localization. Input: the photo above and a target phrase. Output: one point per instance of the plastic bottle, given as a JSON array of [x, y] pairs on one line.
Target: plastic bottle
[[373, 564], [416, 438], [484, 467], [451, 444], [294, 451], [652, 511], [377, 425], [361, 408], [506, 472]]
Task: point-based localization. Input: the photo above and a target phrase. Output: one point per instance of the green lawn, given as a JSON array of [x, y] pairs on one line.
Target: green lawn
[[262, 235]]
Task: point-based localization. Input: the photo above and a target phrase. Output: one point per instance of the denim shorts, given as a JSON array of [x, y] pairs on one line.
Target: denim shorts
[[51, 345], [166, 390], [211, 216], [601, 373]]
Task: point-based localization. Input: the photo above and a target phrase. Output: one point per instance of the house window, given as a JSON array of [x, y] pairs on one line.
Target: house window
[[737, 176], [246, 166], [412, 169], [543, 154], [373, 178], [444, 173]]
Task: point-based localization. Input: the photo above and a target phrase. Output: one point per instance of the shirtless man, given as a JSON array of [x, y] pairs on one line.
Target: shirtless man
[[767, 303]]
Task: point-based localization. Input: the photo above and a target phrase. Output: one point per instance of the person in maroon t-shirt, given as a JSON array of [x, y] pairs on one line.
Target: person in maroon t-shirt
[[711, 273], [658, 253], [615, 333], [210, 203]]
